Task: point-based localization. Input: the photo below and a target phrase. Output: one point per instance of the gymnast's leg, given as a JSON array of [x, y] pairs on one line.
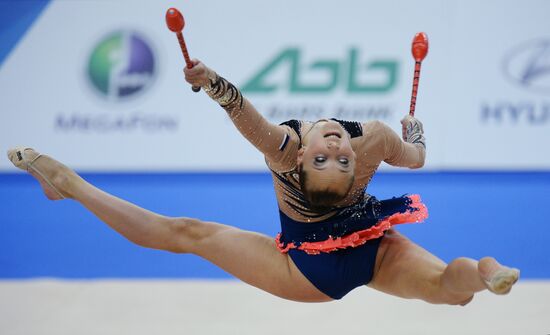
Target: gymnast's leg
[[406, 270], [248, 256]]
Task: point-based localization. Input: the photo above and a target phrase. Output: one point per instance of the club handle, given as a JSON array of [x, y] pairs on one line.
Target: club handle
[[416, 80], [186, 57], [184, 49]]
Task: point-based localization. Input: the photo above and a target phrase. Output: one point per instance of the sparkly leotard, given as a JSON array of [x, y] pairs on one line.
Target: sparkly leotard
[[343, 265]]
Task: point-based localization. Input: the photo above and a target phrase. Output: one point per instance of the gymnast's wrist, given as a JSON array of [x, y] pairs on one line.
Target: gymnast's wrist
[[212, 80]]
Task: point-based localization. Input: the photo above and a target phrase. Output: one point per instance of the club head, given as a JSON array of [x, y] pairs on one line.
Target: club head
[[174, 20], [420, 46]]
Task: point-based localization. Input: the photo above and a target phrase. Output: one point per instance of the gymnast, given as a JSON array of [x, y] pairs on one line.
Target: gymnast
[[334, 236]]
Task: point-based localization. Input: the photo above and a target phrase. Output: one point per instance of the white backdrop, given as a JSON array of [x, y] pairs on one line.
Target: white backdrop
[[484, 94]]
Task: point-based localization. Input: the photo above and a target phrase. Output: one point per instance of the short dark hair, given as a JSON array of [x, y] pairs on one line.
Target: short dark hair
[[324, 199]]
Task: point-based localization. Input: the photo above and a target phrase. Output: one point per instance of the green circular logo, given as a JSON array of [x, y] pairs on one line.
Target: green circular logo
[[121, 66]]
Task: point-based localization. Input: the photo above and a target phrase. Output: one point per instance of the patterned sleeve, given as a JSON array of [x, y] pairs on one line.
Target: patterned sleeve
[[400, 153], [277, 142]]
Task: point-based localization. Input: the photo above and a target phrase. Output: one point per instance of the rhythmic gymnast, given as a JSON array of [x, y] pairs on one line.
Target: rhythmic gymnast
[[334, 236]]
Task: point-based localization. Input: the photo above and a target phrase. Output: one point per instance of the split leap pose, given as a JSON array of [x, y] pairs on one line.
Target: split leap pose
[[334, 237]]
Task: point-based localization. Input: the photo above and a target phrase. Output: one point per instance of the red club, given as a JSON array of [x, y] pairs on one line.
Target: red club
[[175, 22], [419, 51]]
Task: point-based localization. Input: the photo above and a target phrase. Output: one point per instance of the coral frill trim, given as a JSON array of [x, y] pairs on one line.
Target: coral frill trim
[[417, 213]]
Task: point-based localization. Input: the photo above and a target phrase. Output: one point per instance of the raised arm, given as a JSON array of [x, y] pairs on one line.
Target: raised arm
[[409, 152], [268, 138]]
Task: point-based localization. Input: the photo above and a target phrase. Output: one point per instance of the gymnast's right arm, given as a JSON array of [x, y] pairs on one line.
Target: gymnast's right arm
[[265, 136]]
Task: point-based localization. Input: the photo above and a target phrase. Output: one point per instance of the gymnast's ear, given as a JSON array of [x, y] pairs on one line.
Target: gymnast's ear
[[300, 156]]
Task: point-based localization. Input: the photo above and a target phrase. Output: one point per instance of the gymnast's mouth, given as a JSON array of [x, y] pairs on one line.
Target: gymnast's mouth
[[334, 134]]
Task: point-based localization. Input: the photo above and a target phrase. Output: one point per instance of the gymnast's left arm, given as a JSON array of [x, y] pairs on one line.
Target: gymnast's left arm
[[265, 136]]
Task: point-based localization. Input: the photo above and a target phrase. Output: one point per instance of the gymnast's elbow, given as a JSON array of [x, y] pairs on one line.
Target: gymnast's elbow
[[421, 159]]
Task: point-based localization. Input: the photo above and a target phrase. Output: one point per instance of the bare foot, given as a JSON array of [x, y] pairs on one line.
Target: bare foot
[[53, 176], [498, 278]]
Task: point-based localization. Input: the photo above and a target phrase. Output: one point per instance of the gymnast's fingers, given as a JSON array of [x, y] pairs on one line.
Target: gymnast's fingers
[[197, 75]]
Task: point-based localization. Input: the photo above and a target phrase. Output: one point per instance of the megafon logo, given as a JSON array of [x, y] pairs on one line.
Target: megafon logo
[[121, 66], [377, 76], [528, 65]]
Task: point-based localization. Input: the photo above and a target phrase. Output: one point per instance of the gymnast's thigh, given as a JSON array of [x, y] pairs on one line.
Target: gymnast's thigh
[[255, 259], [405, 269]]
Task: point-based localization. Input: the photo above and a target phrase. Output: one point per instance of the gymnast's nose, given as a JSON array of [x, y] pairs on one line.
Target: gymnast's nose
[[332, 144]]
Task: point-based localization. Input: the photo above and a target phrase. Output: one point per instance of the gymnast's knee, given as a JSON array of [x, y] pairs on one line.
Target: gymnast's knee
[[440, 295], [185, 234], [452, 299], [467, 301]]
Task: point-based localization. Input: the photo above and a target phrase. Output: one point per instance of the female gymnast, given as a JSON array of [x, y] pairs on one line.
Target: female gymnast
[[334, 237]]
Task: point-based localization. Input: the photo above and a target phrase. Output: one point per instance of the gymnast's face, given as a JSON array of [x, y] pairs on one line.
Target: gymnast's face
[[327, 157]]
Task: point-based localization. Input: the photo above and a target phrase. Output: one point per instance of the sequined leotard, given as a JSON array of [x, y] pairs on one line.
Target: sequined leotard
[[337, 272]]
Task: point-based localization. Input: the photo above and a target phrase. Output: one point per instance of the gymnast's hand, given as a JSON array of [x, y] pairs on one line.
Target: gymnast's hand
[[412, 130], [199, 75]]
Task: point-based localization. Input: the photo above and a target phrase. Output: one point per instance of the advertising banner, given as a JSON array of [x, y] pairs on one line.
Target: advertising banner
[[100, 84]]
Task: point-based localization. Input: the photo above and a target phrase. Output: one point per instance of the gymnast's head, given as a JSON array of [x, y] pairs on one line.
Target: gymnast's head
[[326, 164]]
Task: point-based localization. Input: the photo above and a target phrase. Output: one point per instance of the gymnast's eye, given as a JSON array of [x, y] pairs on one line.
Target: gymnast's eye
[[344, 161], [320, 159]]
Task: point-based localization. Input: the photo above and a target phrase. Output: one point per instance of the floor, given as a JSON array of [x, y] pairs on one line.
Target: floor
[[58, 307]]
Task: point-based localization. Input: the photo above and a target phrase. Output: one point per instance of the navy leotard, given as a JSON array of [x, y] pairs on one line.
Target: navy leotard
[[338, 272]]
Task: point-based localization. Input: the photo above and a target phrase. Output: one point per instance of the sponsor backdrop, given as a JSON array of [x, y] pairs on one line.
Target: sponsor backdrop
[[100, 84]]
